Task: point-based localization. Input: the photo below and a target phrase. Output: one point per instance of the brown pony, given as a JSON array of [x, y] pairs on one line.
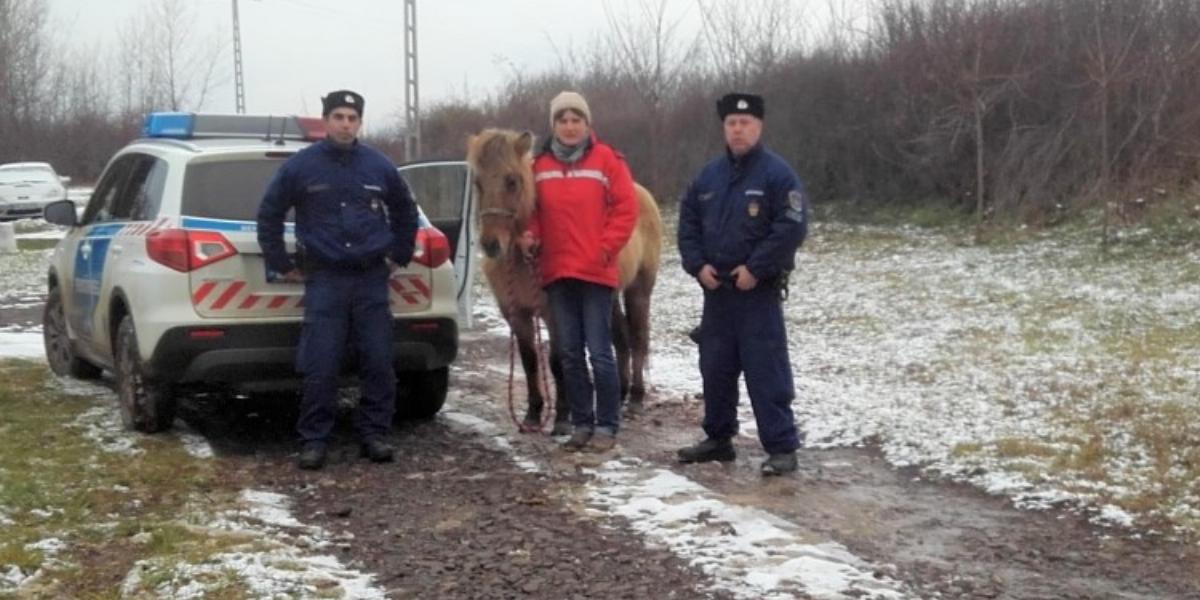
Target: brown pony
[[502, 167]]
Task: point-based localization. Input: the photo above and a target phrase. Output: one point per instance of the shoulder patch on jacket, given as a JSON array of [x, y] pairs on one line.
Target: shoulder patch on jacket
[[795, 209]]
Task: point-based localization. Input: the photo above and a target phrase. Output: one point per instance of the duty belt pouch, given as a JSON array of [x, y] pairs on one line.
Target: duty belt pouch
[[781, 285]]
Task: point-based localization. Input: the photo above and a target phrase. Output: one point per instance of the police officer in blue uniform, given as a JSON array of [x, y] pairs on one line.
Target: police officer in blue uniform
[[740, 224], [355, 221]]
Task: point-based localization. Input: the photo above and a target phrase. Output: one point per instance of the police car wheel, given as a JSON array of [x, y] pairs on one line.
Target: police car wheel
[[146, 405], [59, 352], [421, 394]]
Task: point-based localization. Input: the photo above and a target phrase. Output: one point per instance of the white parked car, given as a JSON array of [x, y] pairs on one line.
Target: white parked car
[[27, 187], [163, 282]]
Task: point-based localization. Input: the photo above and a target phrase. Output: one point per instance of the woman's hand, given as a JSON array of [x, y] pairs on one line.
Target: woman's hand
[[528, 244]]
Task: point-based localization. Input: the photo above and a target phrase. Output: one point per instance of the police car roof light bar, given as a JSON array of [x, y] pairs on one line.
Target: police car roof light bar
[[184, 126]]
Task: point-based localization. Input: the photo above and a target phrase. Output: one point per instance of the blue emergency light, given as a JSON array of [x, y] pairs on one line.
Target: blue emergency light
[[169, 124], [186, 126]]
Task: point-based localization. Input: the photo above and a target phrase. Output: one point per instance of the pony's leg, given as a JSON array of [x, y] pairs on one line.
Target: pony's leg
[[620, 336], [637, 307], [522, 326], [562, 407]]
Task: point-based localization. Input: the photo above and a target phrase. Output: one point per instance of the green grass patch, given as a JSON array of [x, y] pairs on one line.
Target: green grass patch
[[26, 244], [109, 510]]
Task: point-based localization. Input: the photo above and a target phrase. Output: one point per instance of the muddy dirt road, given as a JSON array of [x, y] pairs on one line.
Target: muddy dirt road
[[475, 510]]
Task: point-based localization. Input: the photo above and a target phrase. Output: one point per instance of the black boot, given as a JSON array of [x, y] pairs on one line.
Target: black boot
[[377, 450], [707, 451], [779, 464], [312, 456]]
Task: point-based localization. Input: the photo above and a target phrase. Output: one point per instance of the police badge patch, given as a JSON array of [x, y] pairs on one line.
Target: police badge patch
[[796, 199], [795, 209], [752, 208]]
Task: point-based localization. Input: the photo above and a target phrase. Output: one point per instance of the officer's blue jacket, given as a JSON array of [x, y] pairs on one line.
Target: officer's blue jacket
[[343, 199], [750, 210]]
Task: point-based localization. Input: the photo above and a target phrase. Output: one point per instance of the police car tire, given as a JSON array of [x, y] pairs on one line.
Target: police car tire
[[59, 353], [146, 405], [421, 394]]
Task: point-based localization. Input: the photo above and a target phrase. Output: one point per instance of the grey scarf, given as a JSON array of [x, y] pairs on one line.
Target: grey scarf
[[569, 154]]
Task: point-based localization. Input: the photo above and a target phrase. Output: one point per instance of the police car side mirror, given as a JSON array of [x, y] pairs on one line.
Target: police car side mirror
[[61, 212]]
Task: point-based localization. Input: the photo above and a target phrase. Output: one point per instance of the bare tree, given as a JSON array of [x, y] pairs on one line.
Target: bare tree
[[166, 63], [645, 48], [24, 63], [747, 39]]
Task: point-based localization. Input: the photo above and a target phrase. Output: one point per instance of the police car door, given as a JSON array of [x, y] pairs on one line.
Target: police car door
[[443, 191], [88, 247]]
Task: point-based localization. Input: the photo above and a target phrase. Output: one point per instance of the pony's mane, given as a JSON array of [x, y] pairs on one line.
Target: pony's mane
[[494, 149]]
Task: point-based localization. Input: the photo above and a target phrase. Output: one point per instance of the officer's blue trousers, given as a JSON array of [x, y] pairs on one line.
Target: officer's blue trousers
[[583, 317], [342, 305], [743, 332]]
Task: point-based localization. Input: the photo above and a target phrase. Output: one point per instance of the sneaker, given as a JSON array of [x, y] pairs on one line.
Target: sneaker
[[601, 442], [578, 441], [377, 450], [707, 451], [312, 456], [779, 464]]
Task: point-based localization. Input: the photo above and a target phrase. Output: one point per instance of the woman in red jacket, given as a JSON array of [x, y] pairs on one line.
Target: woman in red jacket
[[586, 211]]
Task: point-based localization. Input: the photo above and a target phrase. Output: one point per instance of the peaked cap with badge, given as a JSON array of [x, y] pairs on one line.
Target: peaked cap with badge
[[340, 98], [738, 103]]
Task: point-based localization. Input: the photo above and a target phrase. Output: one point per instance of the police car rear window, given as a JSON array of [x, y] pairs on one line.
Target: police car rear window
[[227, 189]]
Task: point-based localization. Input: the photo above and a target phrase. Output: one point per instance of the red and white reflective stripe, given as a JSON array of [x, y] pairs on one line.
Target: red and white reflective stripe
[[217, 296], [410, 288], [573, 174], [142, 228]]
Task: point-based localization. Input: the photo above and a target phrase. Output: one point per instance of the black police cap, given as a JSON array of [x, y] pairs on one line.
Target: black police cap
[[736, 103], [340, 98]]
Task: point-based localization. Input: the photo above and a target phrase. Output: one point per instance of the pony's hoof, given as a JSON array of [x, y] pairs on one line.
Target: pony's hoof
[[561, 428]]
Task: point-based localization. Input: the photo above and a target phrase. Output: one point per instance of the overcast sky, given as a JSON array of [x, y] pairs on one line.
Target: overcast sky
[[294, 51]]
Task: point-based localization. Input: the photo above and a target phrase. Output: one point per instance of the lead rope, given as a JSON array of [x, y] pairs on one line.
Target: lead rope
[[541, 371]]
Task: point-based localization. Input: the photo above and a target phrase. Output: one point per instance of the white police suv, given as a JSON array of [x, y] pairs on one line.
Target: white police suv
[[162, 281]]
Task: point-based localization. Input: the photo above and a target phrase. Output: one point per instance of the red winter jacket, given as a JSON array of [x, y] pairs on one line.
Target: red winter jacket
[[585, 214]]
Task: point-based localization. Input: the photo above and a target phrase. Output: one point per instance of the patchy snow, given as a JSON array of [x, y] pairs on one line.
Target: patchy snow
[[22, 344], [940, 351], [48, 546], [748, 552], [285, 568], [102, 425]]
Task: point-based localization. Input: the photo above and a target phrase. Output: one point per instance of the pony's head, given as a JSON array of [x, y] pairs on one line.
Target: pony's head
[[504, 192]]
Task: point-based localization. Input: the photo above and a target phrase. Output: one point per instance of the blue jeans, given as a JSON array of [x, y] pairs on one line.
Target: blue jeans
[[582, 313]]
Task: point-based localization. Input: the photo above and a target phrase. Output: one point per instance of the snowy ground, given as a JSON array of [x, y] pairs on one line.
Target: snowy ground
[[1035, 370]]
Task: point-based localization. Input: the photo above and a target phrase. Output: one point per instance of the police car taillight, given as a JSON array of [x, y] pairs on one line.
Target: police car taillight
[[432, 249], [185, 250]]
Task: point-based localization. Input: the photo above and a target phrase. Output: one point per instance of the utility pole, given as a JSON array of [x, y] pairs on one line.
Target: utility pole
[[412, 115], [239, 86]]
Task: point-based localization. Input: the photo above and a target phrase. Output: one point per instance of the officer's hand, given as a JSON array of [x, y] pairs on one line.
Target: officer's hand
[[744, 279], [708, 277], [294, 276]]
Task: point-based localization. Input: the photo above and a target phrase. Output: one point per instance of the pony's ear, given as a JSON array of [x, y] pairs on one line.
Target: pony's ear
[[471, 143], [524, 143]]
